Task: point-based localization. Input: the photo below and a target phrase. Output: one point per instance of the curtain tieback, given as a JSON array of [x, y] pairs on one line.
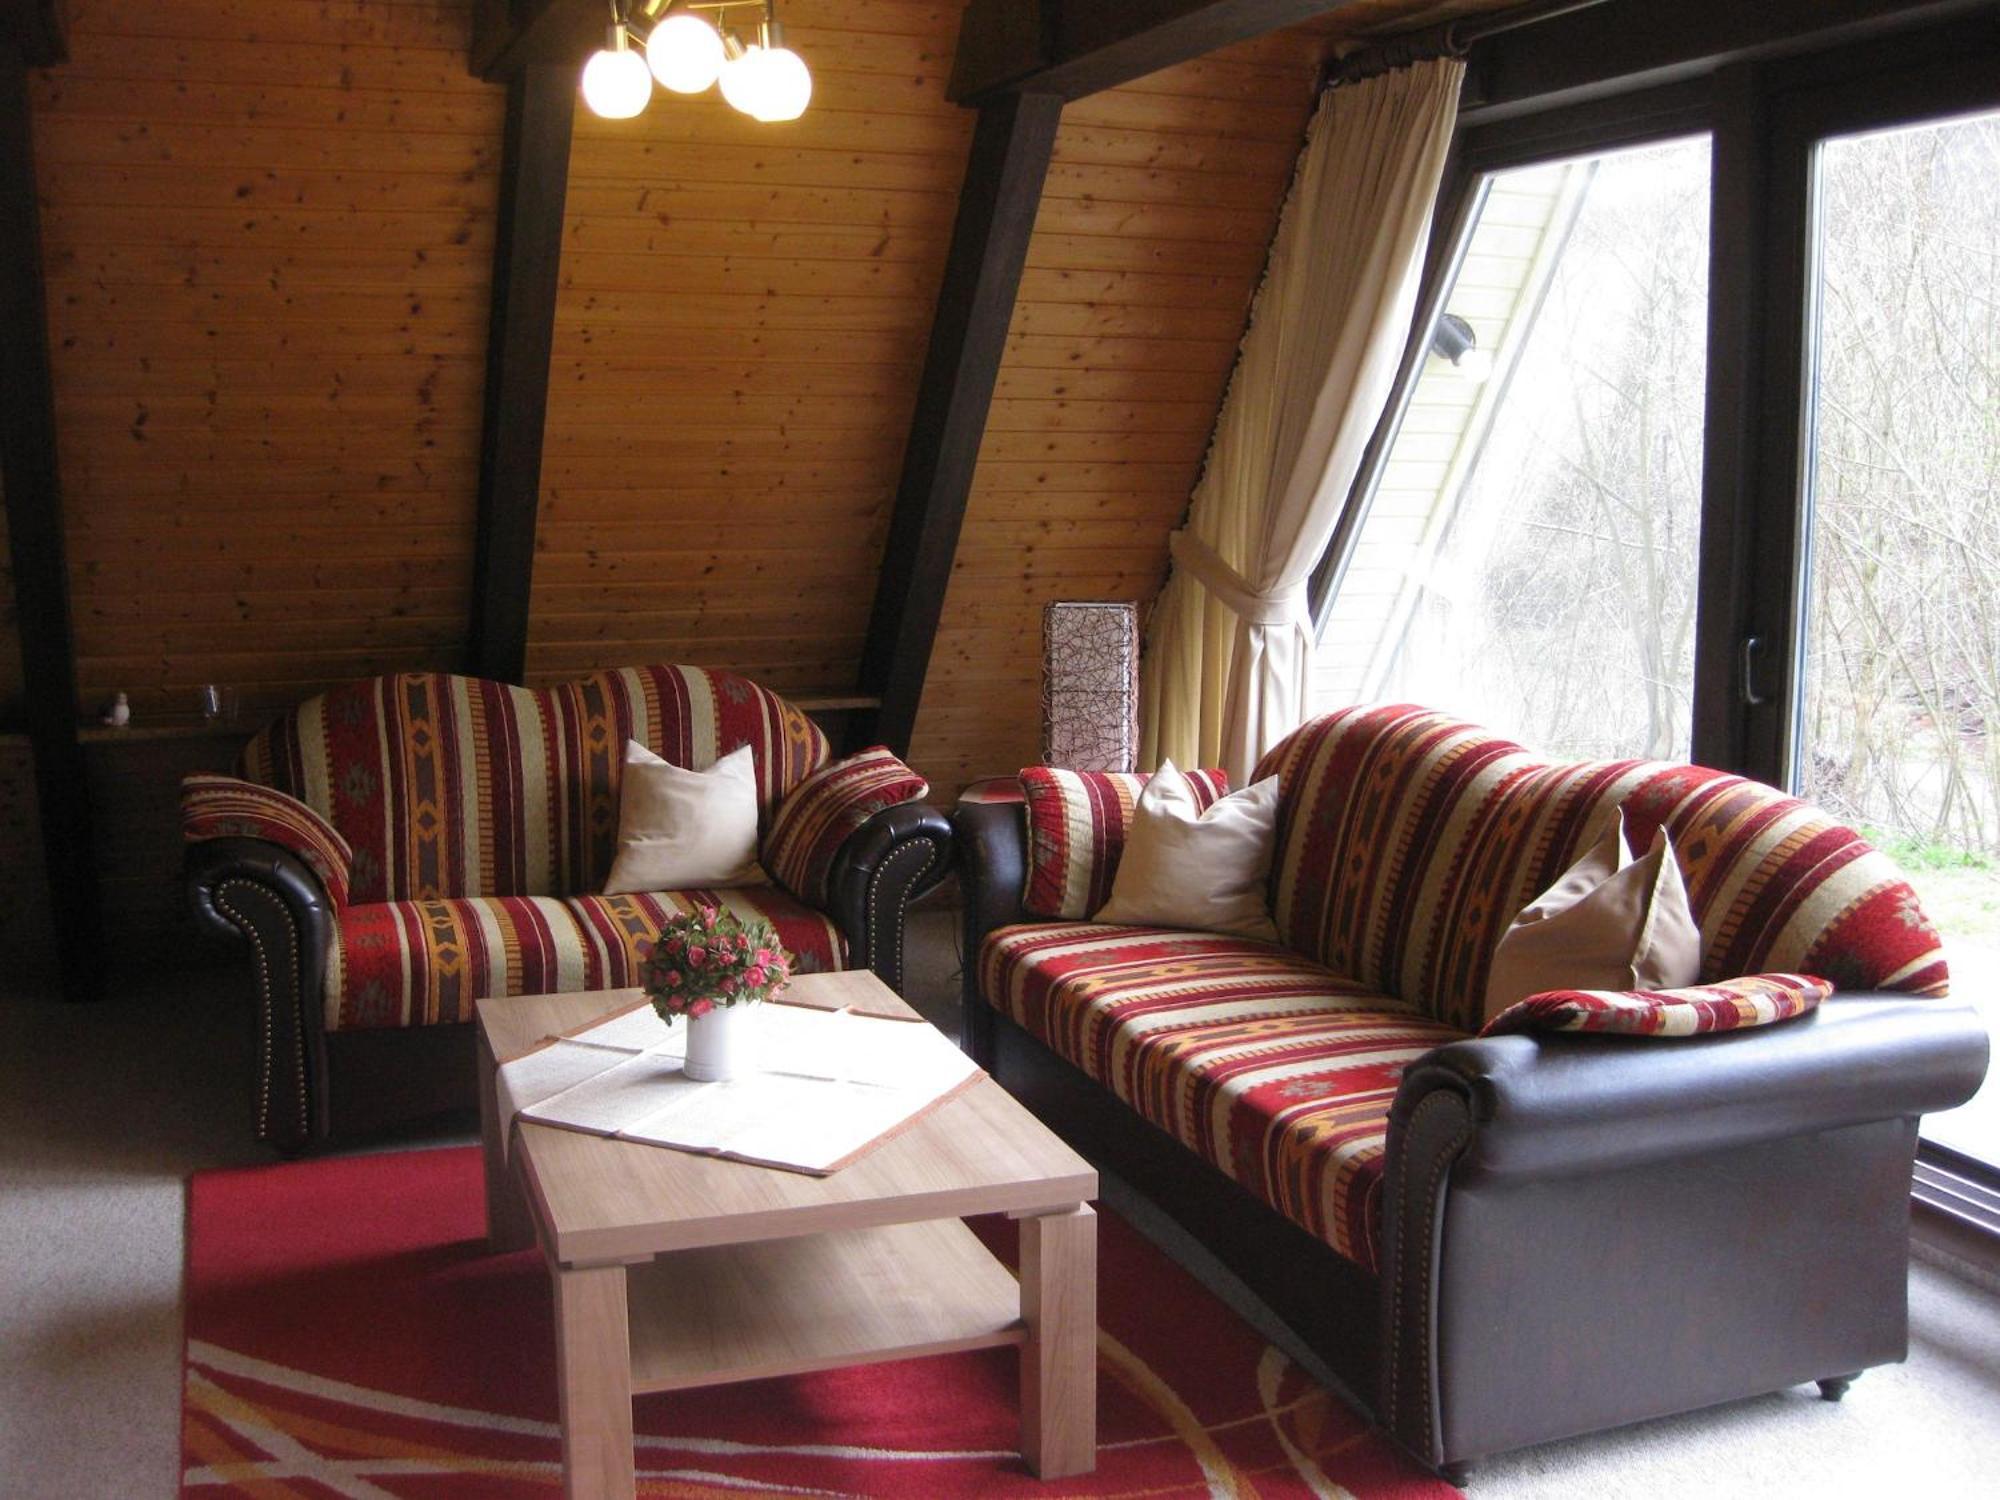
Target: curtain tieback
[[1285, 606]]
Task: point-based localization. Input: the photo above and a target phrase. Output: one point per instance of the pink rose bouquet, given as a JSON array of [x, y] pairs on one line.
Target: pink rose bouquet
[[712, 957]]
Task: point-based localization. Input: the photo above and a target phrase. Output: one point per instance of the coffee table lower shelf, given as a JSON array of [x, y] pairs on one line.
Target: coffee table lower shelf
[[817, 1302]]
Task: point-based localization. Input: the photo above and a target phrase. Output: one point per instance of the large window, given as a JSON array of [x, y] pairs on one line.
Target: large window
[[1610, 515], [1899, 727], [1528, 554]]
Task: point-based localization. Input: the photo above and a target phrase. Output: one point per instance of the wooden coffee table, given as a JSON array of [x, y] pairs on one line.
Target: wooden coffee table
[[674, 1270]]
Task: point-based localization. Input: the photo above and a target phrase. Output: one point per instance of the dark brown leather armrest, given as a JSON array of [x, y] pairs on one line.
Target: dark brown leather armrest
[[213, 863], [266, 896], [886, 863], [1541, 1106], [992, 845]]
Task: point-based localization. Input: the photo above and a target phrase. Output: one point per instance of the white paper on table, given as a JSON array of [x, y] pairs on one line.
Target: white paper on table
[[844, 1047], [824, 1131], [831, 1084], [638, 1029], [613, 1097], [562, 1063]]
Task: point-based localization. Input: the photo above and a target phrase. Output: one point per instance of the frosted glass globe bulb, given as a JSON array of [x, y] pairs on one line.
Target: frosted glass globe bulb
[[616, 84], [785, 85], [738, 78], [767, 83], [684, 52]]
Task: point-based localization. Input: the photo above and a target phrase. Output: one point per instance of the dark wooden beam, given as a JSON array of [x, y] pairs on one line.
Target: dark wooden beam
[[1071, 48], [509, 35], [37, 29], [527, 254], [1631, 44], [33, 482], [1011, 146]]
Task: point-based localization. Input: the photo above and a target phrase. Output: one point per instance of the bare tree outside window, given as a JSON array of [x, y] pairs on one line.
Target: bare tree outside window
[[1554, 600], [1528, 560], [1900, 731]]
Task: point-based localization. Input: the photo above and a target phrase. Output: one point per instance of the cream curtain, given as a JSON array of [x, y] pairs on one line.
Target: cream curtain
[[1229, 649]]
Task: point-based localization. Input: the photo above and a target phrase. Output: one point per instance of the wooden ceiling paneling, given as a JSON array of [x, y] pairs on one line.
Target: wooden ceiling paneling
[[269, 243], [268, 238], [1151, 237], [741, 328]]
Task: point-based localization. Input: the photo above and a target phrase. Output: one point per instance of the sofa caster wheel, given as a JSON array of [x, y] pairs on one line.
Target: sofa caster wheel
[[1835, 1386], [1459, 1475]]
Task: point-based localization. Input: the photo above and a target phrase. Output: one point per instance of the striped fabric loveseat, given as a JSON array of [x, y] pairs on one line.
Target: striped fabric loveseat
[[1498, 1239], [398, 848]]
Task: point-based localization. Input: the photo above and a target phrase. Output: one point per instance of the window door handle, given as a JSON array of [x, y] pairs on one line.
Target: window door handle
[[1753, 647]]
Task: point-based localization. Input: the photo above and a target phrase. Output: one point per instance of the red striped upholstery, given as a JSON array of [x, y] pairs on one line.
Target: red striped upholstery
[[221, 807], [408, 963], [1270, 1067], [1076, 833], [825, 808], [1755, 1000], [456, 787], [1407, 842]]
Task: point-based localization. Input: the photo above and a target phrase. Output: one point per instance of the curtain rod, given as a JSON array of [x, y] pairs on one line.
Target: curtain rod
[[1447, 39]]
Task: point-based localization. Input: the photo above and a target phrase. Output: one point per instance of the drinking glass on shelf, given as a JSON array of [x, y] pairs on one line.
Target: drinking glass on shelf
[[217, 702]]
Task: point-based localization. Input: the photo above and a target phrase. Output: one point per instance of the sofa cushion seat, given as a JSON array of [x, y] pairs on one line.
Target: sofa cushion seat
[[1275, 1070], [419, 963]]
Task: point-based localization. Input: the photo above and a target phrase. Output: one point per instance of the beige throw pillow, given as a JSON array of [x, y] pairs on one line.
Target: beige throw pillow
[[1186, 868], [1611, 922], [685, 830]]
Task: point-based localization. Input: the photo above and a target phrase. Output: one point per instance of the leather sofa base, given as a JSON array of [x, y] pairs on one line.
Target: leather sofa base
[[1329, 1301], [1589, 1302], [1584, 1302], [376, 1080]]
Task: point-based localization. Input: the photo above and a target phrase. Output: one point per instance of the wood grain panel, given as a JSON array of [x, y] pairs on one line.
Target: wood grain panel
[[740, 333], [1148, 246], [1152, 236], [268, 252]]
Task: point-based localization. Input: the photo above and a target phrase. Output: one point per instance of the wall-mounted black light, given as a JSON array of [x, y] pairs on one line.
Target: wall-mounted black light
[[1454, 342]]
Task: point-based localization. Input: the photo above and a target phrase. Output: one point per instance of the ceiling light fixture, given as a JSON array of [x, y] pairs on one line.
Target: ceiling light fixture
[[615, 83], [686, 52]]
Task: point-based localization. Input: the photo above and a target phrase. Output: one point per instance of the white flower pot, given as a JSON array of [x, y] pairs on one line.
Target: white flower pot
[[721, 1043]]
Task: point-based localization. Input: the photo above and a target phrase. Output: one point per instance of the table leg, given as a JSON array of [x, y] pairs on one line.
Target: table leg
[[508, 1223], [594, 1377], [1059, 1361]]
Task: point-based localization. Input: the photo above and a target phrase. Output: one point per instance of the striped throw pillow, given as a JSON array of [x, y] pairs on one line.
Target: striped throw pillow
[[1755, 1000], [1077, 821], [821, 811]]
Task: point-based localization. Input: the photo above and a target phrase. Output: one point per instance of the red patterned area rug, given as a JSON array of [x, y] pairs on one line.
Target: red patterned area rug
[[349, 1335]]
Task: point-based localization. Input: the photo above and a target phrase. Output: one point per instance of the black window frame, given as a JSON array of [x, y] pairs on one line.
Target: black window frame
[[1617, 76], [1643, 117]]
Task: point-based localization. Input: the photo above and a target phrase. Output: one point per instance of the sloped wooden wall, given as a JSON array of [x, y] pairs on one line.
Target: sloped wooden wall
[[268, 235], [741, 330], [1148, 247]]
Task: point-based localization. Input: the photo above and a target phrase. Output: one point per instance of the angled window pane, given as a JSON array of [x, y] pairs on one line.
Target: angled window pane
[[1527, 559], [1899, 729]]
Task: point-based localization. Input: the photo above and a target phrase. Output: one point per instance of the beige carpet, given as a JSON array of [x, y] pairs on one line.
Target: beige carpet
[[104, 1110]]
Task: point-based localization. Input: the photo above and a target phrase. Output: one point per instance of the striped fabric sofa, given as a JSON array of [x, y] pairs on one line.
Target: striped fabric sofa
[[1500, 1239], [396, 849]]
